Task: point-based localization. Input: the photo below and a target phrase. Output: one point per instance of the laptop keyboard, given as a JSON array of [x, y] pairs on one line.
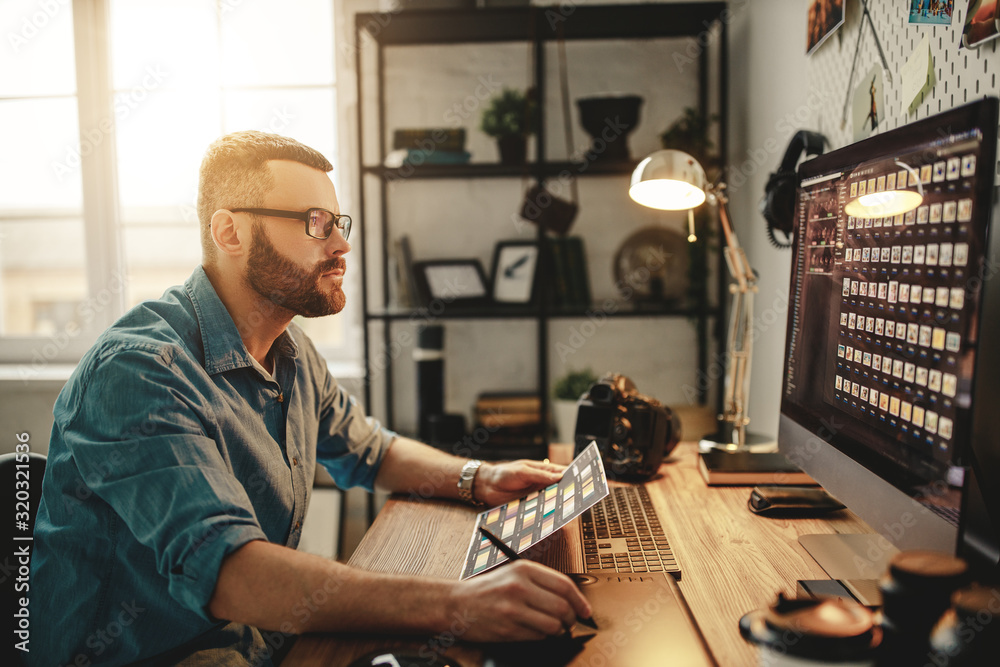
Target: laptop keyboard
[[623, 534]]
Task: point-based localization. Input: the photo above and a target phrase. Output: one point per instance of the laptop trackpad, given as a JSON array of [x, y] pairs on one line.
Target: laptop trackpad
[[642, 620]]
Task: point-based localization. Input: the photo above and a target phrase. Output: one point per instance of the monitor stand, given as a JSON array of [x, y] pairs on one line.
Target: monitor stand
[[856, 560]]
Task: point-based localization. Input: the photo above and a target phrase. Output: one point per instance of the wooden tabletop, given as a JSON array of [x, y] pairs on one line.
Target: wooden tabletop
[[732, 560]]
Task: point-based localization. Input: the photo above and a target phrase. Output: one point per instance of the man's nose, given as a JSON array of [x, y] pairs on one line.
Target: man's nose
[[337, 244]]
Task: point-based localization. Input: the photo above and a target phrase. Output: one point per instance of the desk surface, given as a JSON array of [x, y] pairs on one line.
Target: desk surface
[[732, 560]]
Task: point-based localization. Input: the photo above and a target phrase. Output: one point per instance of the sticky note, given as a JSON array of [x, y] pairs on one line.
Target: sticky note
[[917, 73]]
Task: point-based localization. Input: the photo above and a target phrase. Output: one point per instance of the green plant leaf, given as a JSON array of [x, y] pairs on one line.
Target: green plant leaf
[[574, 384]]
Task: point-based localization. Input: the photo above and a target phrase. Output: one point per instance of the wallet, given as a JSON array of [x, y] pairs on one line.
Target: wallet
[[791, 500]]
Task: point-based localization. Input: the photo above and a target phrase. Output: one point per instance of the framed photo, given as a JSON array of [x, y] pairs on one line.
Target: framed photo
[[459, 282], [515, 269]]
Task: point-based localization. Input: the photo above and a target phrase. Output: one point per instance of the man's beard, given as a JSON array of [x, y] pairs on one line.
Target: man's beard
[[279, 280]]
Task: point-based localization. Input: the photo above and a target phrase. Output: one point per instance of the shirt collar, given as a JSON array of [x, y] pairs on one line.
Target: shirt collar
[[220, 338]]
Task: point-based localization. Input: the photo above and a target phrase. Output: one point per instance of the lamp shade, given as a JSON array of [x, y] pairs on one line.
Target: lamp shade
[[888, 203], [883, 204], [669, 180]]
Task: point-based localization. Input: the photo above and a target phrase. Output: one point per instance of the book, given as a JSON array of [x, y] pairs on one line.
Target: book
[[405, 282], [576, 270], [515, 401], [570, 286], [749, 468], [430, 138], [505, 419], [417, 157]]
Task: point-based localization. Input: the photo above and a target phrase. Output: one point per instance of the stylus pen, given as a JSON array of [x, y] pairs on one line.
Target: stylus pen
[[512, 555]]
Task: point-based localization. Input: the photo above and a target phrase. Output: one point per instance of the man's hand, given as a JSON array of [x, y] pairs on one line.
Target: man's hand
[[500, 483], [518, 601]]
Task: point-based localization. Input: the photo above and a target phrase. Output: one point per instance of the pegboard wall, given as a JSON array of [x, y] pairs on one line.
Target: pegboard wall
[[961, 75]]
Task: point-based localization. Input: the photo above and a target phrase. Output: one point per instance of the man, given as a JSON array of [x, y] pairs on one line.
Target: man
[[184, 448]]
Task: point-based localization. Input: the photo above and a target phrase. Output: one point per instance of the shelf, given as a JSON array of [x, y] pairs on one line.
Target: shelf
[[462, 26], [496, 170], [622, 310], [693, 24]]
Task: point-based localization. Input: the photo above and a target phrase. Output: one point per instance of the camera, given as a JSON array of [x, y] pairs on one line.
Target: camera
[[634, 433]]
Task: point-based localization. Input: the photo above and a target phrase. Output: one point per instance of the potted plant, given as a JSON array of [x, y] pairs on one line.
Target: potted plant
[[565, 393], [510, 119]]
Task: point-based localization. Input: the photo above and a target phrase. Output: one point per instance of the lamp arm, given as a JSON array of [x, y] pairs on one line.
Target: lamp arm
[[740, 338], [736, 258]]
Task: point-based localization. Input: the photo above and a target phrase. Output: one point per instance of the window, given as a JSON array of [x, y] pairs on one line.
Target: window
[[157, 83], [42, 260]]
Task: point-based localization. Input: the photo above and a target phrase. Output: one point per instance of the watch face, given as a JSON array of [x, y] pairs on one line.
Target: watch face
[[467, 477]]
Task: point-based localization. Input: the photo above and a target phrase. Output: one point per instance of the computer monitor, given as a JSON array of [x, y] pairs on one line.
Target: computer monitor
[[891, 388]]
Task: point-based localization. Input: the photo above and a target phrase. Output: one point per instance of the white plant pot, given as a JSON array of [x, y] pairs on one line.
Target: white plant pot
[[564, 416]]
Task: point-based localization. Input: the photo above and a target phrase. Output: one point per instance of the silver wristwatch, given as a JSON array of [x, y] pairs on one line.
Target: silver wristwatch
[[467, 479]]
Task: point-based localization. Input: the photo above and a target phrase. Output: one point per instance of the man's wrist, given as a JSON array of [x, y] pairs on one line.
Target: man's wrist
[[467, 481]]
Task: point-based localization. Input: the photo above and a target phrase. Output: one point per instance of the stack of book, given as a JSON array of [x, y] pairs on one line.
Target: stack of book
[[512, 424], [570, 287], [432, 145]]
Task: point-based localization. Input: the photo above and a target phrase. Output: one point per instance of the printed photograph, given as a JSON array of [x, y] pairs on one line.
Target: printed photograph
[[931, 12], [980, 23], [825, 16], [868, 107]]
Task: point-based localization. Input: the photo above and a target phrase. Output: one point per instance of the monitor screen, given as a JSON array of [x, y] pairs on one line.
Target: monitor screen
[[885, 359]]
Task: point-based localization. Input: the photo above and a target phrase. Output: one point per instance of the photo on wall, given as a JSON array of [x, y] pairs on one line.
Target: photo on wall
[[825, 16], [931, 12], [980, 22], [868, 106]]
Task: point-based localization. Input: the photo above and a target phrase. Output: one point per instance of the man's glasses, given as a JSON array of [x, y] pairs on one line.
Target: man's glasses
[[319, 221]]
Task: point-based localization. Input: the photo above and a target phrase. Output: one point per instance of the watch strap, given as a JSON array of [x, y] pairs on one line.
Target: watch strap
[[467, 479]]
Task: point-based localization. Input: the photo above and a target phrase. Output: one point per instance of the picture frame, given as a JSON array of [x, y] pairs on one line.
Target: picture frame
[[515, 272], [451, 282]]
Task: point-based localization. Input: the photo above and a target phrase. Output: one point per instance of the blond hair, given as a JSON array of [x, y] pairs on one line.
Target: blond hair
[[234, 174]]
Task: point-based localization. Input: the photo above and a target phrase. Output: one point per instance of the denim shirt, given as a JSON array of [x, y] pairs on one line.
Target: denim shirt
[[170, 450]]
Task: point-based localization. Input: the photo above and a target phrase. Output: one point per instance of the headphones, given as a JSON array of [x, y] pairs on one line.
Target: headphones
[[778, 203]]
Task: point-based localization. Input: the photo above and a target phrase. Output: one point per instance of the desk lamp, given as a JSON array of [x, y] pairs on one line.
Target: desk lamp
[[672, 180]]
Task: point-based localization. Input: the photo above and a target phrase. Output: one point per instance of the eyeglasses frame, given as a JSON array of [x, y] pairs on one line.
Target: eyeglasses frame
[[338, 220]]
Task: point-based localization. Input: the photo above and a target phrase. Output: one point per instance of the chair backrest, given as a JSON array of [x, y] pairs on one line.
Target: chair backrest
[[20, 491]]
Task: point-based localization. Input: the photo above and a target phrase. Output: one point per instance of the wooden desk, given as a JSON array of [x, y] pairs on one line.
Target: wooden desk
[[732, 560]]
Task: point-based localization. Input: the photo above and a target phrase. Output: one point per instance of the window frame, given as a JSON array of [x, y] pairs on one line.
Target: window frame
[[46, 357]]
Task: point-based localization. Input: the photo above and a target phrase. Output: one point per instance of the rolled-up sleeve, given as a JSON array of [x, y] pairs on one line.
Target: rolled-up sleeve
[[351, 445], [147, 453]]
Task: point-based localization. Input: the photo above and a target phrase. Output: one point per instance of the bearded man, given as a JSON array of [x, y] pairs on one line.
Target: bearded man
[[184, 449]]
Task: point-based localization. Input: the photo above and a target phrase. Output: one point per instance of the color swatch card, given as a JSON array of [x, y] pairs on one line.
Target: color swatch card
[[527, 521]]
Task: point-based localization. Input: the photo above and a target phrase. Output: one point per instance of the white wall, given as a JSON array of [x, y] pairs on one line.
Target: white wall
[[777, 89], [769, 88]]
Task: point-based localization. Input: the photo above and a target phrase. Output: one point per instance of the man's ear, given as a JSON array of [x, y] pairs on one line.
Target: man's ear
[[230, 237]]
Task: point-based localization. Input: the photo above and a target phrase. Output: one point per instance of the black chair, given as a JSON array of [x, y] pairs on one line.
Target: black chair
[[21, 490]]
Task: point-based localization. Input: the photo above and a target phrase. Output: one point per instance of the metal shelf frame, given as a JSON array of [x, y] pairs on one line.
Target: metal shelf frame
[[537, 26]]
